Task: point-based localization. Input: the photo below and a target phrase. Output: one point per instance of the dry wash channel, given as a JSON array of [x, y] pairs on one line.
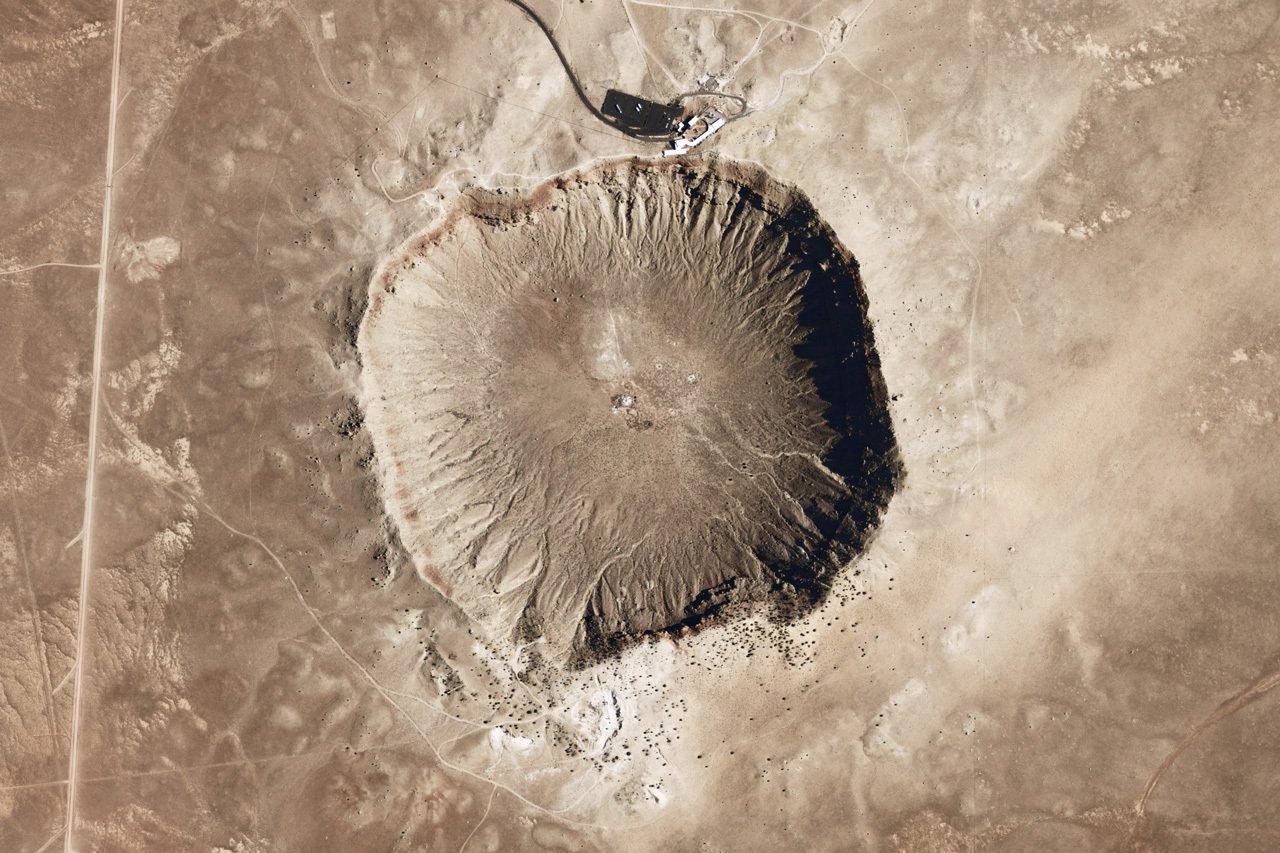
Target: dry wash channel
[[641, 395]]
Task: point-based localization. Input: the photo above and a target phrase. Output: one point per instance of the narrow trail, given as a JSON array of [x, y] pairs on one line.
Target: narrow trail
[[99, 331], [645, 49], [1259, 688], [724, 10], [53, 839], [50, 264], [333, 749], [487, 807], [24, 560]]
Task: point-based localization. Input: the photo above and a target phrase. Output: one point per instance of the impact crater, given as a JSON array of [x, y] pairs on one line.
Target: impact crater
[[643, 394]]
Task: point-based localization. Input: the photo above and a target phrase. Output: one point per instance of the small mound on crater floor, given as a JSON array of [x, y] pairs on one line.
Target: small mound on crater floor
[[615, 406]]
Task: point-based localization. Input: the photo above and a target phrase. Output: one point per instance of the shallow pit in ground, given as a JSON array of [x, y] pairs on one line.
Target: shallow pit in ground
[[640, 395]]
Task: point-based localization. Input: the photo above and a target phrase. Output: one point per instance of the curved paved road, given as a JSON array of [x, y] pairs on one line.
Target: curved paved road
[[577, 84]]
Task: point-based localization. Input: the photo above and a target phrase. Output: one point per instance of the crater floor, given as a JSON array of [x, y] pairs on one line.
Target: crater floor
[[639, 395]]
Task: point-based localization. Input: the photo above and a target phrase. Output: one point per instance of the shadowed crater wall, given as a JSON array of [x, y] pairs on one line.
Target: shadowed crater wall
[[627, 401]]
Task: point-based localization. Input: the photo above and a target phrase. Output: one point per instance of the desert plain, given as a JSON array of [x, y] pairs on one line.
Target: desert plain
[[254, 492]]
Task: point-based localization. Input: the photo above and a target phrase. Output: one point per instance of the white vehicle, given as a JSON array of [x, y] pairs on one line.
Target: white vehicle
[[702, 125]]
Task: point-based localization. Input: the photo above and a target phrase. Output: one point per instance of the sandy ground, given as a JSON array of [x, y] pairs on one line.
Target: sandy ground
[[1063, 637]]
